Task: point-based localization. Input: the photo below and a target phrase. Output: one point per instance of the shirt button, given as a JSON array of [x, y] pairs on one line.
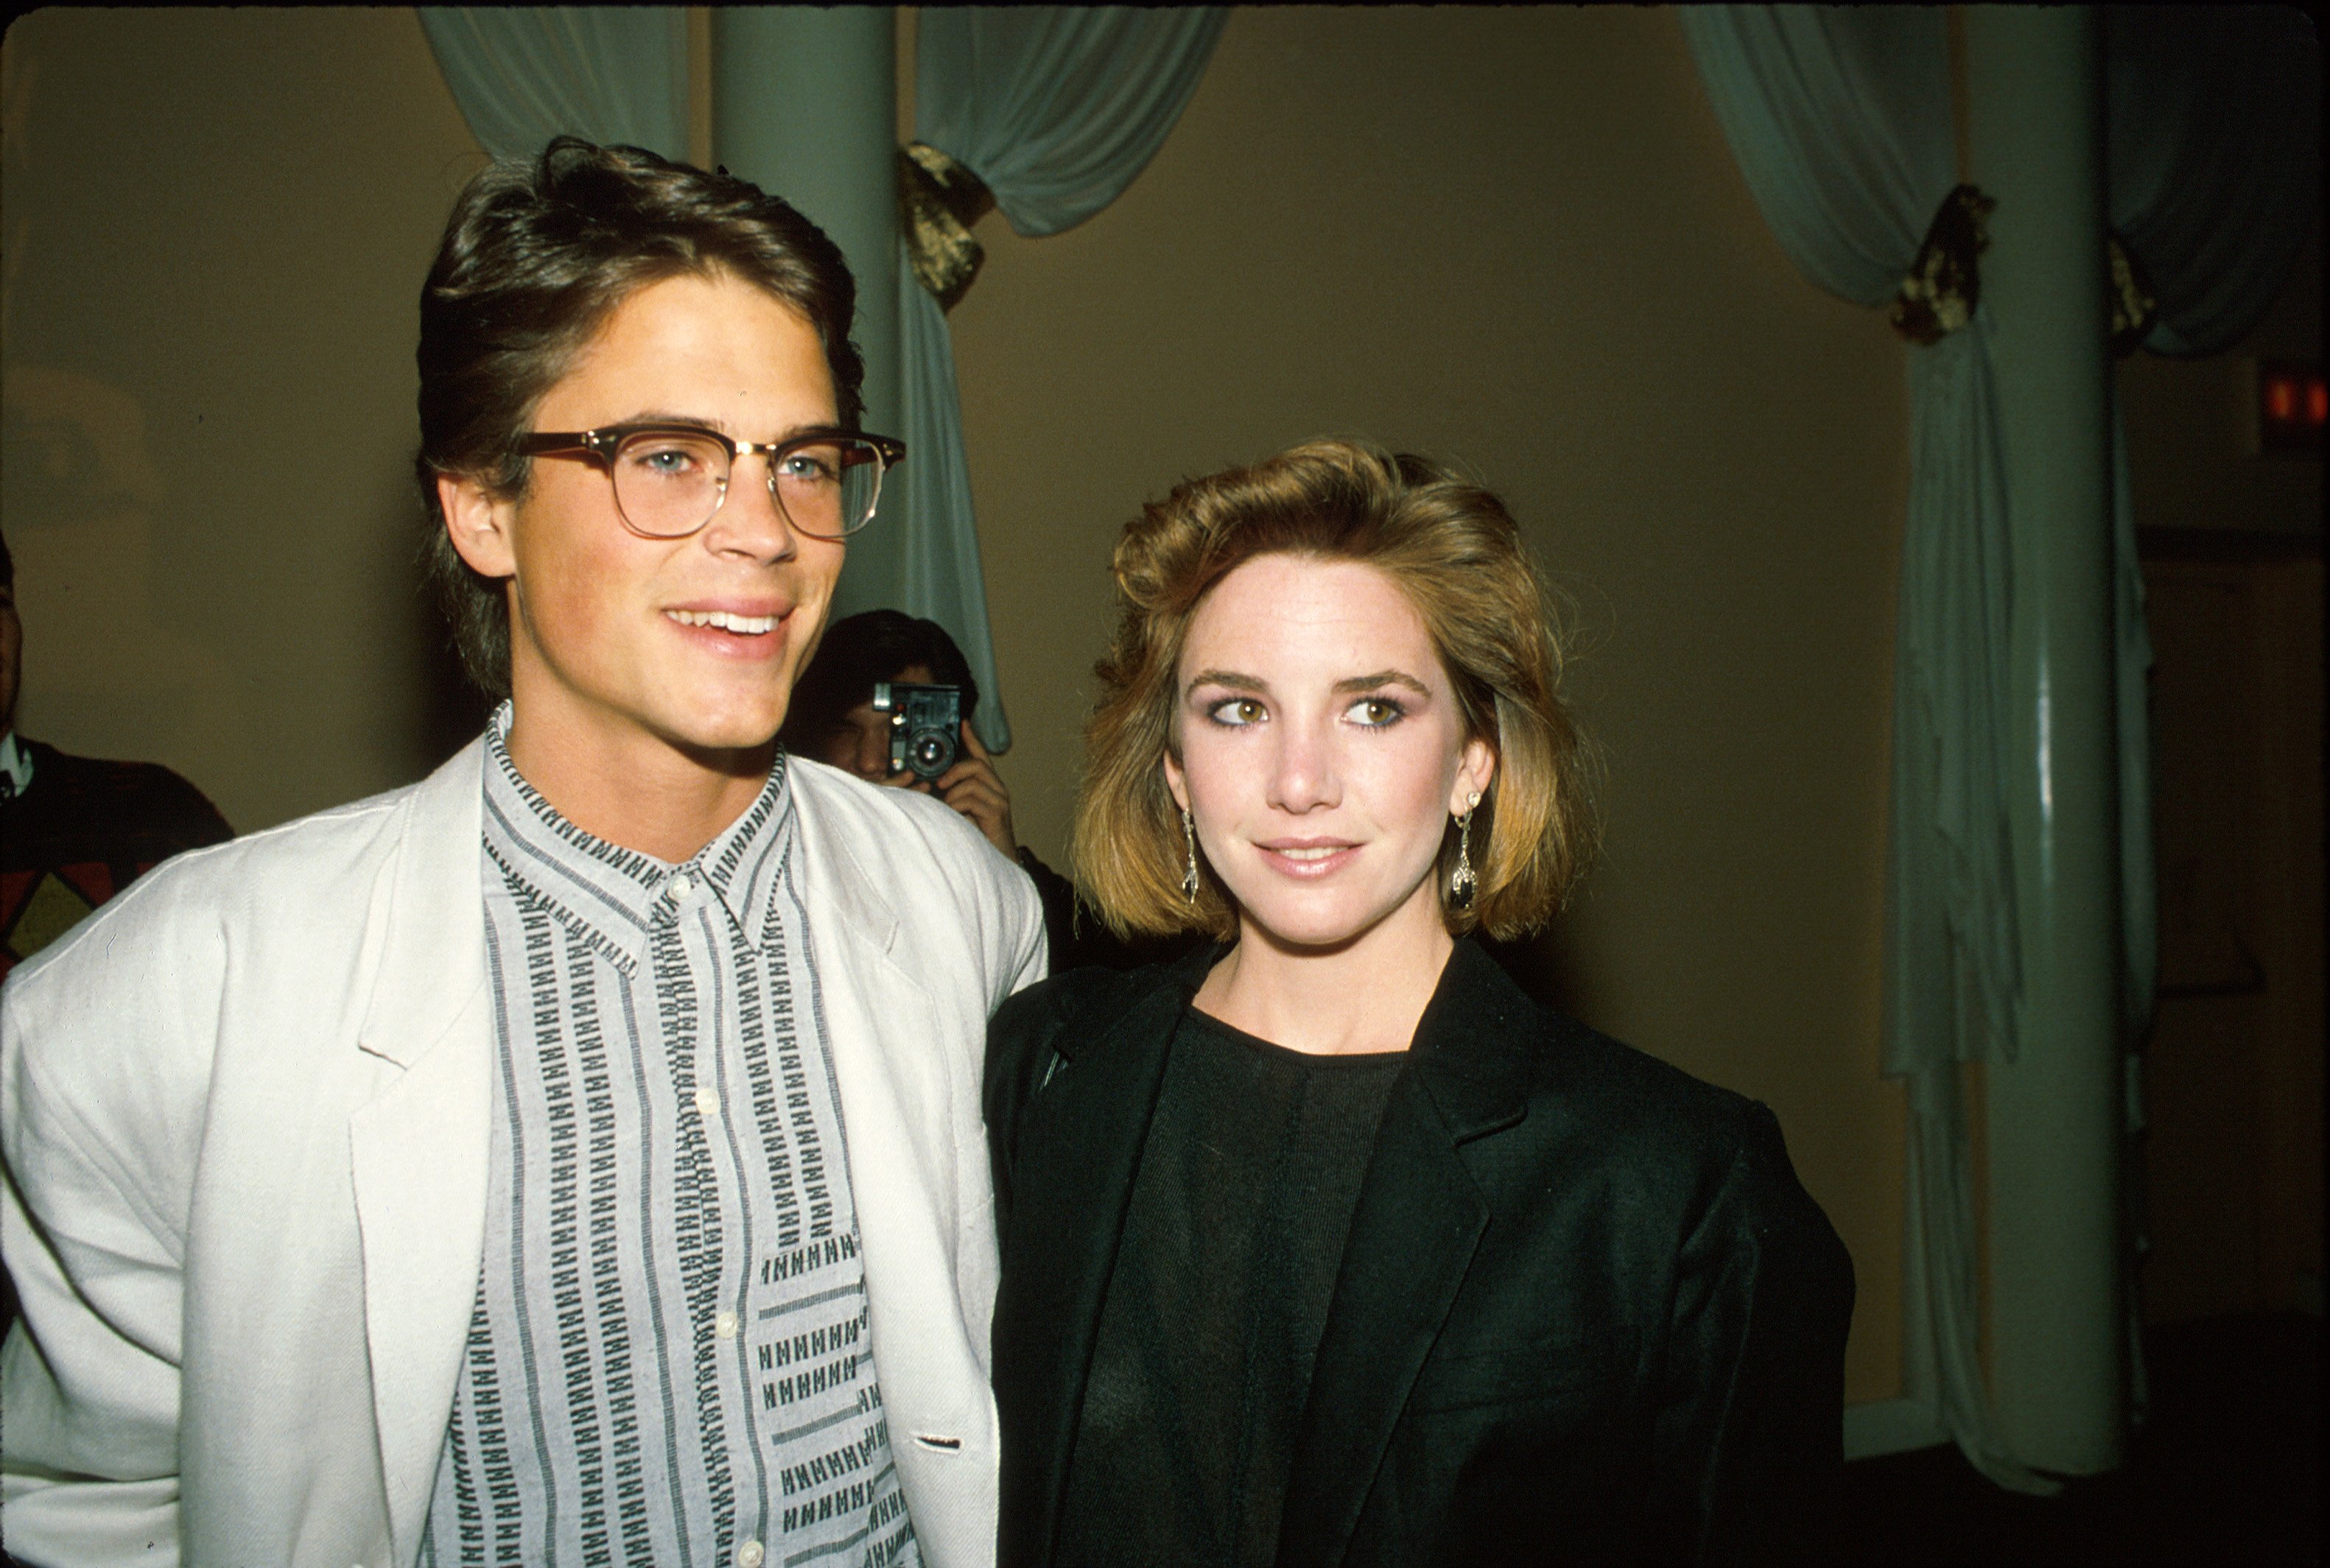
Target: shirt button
[[749, 1554], [724, 1326], [706, 1102], [680, 885]]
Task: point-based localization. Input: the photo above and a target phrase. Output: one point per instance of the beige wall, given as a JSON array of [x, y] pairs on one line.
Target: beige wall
[[217, 224], [1513, 238]]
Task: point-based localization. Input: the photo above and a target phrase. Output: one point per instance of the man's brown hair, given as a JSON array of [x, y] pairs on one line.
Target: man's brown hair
[[536, 255]]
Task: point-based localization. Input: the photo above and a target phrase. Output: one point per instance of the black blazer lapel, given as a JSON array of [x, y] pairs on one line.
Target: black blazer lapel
[[1420, 1214], [1079, 1150]]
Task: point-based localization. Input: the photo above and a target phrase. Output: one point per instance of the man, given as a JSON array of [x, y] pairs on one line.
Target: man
[[575, 1157], [833, 719]]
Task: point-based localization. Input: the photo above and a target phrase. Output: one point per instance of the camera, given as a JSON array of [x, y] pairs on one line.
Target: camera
[[925, 726]]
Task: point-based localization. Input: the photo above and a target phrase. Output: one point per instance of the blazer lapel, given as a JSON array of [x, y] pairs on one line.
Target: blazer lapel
[[1080, 1149], [419, 1148], [1419, 1215]]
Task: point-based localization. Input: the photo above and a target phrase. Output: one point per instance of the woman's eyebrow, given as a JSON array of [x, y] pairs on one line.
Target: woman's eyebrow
[[1230, 678], [1384, 679]]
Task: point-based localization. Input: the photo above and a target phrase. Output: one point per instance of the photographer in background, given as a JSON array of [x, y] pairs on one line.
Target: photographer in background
[[833, 719]]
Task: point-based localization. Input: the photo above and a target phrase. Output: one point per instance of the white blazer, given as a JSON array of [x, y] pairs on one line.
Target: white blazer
[[245, 1111]]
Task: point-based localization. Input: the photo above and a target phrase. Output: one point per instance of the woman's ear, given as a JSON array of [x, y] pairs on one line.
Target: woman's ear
[[1475, 769], [477, 524], [1175, 781]]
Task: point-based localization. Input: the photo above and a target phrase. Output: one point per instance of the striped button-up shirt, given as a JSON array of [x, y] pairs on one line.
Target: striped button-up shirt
[[670, 1360]]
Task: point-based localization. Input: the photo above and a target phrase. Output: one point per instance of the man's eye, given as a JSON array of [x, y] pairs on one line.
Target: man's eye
[[812, 466], [1377, 712], [665, 459], [1235, 713]]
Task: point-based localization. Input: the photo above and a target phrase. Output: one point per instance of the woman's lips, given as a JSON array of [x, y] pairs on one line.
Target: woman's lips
[[1307, 859]]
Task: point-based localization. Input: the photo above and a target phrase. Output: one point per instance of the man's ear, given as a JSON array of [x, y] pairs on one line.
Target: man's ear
[[477, 524]]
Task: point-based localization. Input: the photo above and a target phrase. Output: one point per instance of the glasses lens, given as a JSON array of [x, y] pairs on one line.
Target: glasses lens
[[669, 483], [828, 487]]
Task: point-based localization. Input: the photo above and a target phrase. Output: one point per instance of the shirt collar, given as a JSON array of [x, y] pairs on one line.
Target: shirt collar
[[16, 767], [614, 898]]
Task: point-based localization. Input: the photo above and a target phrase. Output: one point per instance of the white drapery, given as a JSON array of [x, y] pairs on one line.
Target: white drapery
[[523, 74], [1057, 108], [1840, 119]]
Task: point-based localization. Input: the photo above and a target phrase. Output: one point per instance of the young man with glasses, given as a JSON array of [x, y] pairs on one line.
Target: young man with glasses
[[575, 1157]]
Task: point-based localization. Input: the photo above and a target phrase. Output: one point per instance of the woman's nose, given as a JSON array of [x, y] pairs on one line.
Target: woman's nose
[[1304, 776]]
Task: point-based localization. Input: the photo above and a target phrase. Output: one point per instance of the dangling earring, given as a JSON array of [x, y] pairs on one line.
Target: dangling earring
[[1189, 875], [1461, 884]]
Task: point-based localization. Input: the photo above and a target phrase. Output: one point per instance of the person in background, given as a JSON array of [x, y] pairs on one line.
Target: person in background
[[1327, 1244], [833, 719], [76, 831]]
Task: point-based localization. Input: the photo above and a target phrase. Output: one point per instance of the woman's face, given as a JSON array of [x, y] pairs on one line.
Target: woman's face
[[1320, 750]]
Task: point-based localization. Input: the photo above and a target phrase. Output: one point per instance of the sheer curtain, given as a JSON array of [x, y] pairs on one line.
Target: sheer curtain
[[1055, 109], [1841, 120], [522, 75], [2215, 155]]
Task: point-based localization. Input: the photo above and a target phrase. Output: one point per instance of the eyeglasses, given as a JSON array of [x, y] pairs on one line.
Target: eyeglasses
[[670, 479]]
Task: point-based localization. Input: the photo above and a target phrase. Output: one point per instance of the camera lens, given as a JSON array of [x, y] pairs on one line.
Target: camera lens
[[930, 753]]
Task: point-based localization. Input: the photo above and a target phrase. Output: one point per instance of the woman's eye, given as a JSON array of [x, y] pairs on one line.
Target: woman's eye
[[1235, 713], [1375, 713]]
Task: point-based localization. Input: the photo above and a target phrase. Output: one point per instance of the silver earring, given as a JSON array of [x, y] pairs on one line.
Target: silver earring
[[1189, 875], [1461, 886]]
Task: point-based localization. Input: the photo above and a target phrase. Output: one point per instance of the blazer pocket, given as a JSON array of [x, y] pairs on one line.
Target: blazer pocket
[[1565, 1371]]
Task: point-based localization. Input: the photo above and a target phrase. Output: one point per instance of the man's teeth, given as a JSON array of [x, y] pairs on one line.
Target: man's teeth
[[1320, 852], [742, 625]]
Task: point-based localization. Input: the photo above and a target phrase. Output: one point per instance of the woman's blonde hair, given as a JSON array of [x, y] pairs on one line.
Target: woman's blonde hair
[[1454, 551]]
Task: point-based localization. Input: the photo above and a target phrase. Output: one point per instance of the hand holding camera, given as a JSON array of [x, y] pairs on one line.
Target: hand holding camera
[[935, 751]]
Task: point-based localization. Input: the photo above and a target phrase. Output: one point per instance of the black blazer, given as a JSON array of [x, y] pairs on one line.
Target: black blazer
[[1585, 1312]]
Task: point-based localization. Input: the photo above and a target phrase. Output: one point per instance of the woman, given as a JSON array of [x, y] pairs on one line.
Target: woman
[[1328, 1245]]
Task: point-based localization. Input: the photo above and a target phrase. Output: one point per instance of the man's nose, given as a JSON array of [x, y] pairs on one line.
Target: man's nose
[[750, 522]]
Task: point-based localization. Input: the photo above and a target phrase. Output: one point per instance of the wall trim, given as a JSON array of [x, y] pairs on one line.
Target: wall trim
[[1891, 1426]]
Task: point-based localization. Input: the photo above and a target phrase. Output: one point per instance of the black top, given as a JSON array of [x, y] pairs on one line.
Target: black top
[[1213, 1315], [123, 816], [1585, 1312]]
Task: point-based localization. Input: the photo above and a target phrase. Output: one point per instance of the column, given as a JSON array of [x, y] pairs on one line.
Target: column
[[2057, 1322], [804, 104]]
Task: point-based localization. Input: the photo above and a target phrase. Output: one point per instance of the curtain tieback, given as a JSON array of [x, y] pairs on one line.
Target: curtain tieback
[[2134, 309], [939, 199], [1944, 282]]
